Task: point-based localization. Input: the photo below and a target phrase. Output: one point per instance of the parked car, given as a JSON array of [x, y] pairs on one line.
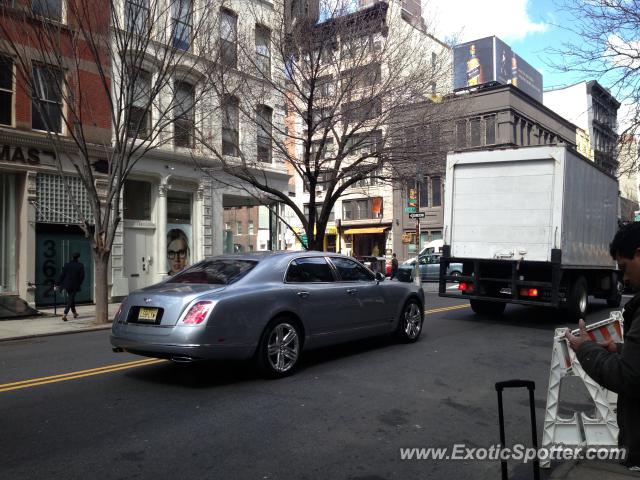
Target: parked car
[[269, 306], [429, 269]]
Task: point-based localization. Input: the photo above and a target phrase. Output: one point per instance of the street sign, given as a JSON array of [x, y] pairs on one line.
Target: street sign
[[409, 209], [417, 215]]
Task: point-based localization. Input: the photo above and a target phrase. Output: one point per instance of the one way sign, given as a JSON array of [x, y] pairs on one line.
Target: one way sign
[[417, 215]]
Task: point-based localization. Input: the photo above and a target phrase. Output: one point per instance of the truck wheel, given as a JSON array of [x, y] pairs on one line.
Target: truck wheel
[[578, 300], [483, 307]]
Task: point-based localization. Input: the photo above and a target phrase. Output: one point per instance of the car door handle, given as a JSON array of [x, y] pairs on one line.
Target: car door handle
[[303, 294], [351, 291]]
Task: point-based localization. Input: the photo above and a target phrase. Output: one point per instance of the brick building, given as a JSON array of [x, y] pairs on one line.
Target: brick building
[[38, 223]]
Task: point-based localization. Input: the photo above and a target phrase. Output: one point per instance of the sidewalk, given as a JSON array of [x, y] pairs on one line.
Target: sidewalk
[[50, 324]]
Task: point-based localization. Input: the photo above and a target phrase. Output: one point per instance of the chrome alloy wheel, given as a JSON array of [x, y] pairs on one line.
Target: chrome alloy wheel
[[412, 321], [283, 347]]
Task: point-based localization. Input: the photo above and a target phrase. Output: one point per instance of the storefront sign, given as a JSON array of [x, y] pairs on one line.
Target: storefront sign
[[27, 156]]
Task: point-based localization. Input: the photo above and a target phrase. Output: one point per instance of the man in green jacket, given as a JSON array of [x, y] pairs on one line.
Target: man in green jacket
[[617, 366]]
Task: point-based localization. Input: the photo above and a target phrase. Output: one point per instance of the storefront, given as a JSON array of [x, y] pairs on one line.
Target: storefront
[[38, 221], [366, 240], [162, 226]]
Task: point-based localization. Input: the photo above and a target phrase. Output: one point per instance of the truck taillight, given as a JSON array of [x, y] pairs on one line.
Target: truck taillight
[[465, 287], [528, 292], [198, 313]]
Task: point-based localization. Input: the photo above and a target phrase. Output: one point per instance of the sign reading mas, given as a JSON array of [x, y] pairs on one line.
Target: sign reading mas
[[28, 156], [491, 60]]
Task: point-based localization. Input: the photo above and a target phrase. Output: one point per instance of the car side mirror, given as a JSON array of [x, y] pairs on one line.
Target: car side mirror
[[379, 277]]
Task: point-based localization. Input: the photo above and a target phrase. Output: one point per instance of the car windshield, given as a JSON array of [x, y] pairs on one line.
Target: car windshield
[[215, 272]]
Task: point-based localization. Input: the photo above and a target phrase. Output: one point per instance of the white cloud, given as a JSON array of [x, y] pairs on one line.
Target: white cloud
[[507, 19]]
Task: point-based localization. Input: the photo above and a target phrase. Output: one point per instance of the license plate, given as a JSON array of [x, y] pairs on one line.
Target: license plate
[[506, 291], [147, 314]]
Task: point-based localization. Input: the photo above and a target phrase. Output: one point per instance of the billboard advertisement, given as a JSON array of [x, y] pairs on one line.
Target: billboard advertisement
[[489, 59]]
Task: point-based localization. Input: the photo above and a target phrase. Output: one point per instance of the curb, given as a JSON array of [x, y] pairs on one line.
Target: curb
[[51, 334]]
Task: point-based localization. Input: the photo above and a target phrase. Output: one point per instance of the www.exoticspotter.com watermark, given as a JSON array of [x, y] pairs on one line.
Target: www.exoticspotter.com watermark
[[517, 452]]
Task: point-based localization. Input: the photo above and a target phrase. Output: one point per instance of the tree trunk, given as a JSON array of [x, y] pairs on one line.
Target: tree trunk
[[101, 266], [317, 243]]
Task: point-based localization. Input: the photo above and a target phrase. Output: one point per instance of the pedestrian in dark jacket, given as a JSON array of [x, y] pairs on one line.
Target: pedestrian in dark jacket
[[71, 280], [394, 266], [617, 366]]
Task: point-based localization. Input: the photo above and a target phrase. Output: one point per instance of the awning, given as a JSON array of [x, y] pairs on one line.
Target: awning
[[358, 231]]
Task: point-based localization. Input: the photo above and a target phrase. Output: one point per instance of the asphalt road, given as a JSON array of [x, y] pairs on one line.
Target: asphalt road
[[85, 412]]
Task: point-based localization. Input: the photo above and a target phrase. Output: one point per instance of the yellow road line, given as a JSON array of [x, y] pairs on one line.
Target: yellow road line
[[445, 309], [79, 374]]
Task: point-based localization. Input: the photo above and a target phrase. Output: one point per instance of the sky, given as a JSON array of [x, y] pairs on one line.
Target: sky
[[529, 27]]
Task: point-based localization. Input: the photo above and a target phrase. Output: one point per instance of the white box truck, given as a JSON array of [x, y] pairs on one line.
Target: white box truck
[[530, 225]]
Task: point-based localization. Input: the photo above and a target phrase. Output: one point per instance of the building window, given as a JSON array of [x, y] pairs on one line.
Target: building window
[[136, 200], [361, 110], [364, 144], [230, 127], [51, 9], [228, 38], [362, 209], [238, 228], [227, 226], [250, 227], [362, 77], [436, 192], [474, 126], [6, 91], [137, 13], [374, 178], [490, 129], [325, 87], [263, 51], [46, 103], [423, 193], [183, 123], [461, 133], [331, 218], [264, 114], [8, 234], [139, 120], [182, 23], [321, 184], [322, 147]]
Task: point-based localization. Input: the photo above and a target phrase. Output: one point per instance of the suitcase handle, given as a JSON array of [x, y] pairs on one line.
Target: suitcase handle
[[529, 384]]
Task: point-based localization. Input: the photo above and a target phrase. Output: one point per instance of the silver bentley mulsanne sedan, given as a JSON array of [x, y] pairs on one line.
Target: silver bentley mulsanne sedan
[[268, 306]]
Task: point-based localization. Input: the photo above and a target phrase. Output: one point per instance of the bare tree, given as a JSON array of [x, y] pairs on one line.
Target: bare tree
[[126, 77], [607, 47], [338, 83]]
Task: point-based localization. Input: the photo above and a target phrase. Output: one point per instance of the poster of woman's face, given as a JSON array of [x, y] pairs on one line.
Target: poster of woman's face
[[178, 250]]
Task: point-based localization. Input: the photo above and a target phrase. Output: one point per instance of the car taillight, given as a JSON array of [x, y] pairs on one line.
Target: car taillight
[[465, 287], [198, 313], [120, 308], [528, 292]]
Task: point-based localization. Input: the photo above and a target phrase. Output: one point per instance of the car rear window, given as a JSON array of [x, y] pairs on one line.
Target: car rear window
[[215, 272], [309, 270]]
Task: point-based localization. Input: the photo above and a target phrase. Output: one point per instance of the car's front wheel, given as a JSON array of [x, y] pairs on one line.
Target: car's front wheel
[[279, 350], [410, 323]]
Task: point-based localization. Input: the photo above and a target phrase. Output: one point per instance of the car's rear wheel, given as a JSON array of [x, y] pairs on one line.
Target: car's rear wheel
[[410, 323], [280, 347]]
